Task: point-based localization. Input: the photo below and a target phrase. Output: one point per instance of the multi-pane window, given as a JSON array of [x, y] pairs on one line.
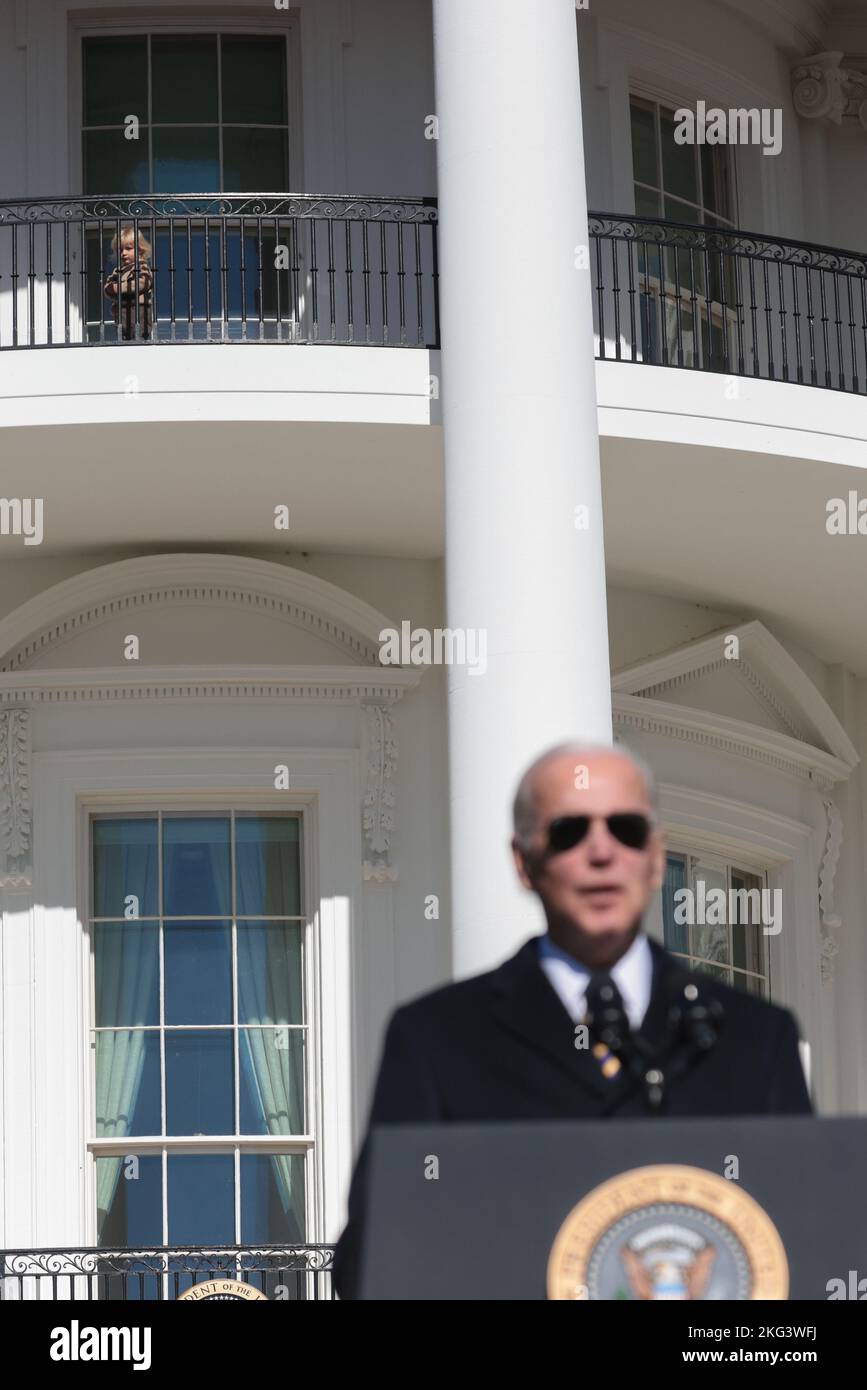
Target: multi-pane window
[[195, 114], [200, 1026], [682, 183], [211, 113], [688, 297], [714, 918]]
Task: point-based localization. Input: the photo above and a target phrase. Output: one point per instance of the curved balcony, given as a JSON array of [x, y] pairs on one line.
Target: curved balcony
[[292, 1273], [220, 268], [716, 300]]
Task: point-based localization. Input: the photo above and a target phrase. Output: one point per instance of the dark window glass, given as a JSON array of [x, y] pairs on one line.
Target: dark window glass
[[113, 164], [254, 80], [644, 145], [184, 79], [196, 867], [198, 966], [199, 1086], [201, 1193], [115, 80], [254, 161], [186, 161], [272, 1199], [129, 1200]]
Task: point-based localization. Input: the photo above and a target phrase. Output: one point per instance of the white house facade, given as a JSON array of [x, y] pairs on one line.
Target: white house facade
[[508, 360]]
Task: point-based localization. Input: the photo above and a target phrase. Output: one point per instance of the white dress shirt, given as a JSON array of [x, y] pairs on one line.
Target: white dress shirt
[[633, 975]]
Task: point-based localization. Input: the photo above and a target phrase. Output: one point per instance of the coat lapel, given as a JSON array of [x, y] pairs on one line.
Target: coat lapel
[[527, 1006]]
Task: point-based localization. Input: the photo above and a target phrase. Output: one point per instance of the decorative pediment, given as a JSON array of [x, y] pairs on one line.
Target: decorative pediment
[[201, 610], [741, 691]]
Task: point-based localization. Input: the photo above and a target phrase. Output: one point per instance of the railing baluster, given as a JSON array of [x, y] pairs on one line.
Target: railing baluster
[[49, 275], [631, 254], [15, 278], [383, 278], [67, 274], [401, 286], [600, 307], [332, 303], [615, 276], [314, 281], [365, 277]]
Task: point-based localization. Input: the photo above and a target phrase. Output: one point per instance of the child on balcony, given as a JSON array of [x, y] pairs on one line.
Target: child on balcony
[[132, 295]]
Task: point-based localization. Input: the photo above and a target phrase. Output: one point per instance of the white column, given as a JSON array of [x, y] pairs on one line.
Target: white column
[[521, 443]]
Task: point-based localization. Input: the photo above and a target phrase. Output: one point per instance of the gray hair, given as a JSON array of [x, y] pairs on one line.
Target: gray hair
[[524, 805]]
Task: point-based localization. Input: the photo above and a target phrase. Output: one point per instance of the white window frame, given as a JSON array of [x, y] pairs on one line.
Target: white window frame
[[66, 785], [166, 1145], [146, 23], [725, 864]]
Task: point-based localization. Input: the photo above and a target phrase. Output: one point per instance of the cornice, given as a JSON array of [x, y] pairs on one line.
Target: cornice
[[735, 736], [310, 684]]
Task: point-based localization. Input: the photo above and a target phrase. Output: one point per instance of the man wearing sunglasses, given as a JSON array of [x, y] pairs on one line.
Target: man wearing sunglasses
[[591, 1018]]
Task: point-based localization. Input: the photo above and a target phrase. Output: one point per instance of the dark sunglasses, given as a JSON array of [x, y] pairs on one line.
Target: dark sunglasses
[[629, 827]]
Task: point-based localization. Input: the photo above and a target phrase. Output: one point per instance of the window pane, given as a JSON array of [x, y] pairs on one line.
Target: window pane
[[127, 974], [199, 1087], [125, 864], [196, 867], [254, 161], [646, 202], [747, 931], [710, 940], [115, 81], [198, 966], [115, 165], [270, 972], [201, 1199], [714, 177], [272, 1199], [676, 211], [129, 1200], [184, 79], [272, 1081], [267, 866], [127, 1084], [679, 166], [254, 80], [186, 161], [676, 932], [644, 144]]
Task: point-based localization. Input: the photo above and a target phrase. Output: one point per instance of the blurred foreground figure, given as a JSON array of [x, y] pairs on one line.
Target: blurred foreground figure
[[592, 1019]]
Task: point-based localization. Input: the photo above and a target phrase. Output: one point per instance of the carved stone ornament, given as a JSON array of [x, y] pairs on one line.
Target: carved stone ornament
[[829, 919], [821, 87], [379, 793], [16, 815]]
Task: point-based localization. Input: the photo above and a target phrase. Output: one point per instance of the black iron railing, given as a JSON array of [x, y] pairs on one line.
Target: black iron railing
[[267, 267], [293, 1273], [727, 301]]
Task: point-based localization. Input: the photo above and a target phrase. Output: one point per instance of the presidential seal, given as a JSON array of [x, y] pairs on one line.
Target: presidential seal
[[668, 1232], [230, 1289]]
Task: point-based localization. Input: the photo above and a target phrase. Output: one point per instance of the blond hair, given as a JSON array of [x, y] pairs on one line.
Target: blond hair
[[128, 234]]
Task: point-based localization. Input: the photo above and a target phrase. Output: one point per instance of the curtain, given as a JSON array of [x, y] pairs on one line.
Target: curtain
[[268, 994], [126, 969]]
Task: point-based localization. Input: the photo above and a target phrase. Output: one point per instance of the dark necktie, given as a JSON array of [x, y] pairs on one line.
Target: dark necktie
[[607, 1019]]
